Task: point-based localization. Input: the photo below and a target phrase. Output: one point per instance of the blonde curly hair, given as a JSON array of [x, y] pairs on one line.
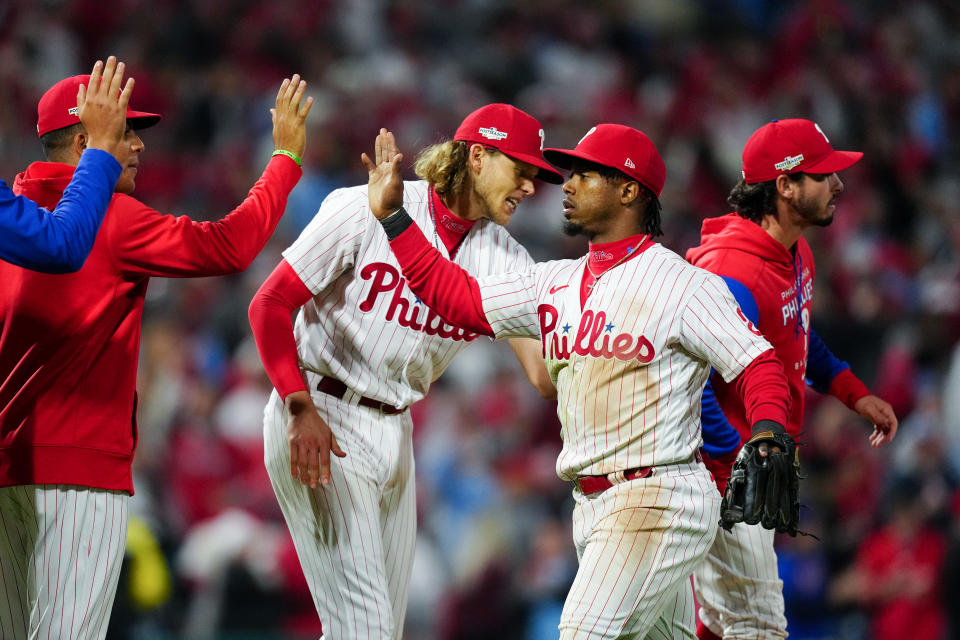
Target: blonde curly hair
[[444, 165]]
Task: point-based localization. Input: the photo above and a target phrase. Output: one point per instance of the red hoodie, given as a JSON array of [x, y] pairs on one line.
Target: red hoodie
[[69, 343], [734, 247]]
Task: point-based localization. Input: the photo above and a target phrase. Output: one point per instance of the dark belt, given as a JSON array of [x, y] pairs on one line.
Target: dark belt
[[595, 484], [335, 388]]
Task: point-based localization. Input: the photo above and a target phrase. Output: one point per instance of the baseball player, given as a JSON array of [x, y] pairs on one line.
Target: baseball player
[[365, 348], [789, 184], [629, 333], [68, 352], [60, 241]]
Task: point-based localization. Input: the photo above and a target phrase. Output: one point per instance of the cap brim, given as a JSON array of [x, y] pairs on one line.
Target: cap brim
[[547, 173], [835, 161], [142, 119]]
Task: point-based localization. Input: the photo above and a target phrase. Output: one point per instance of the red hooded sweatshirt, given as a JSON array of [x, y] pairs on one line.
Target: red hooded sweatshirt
[[69, 343], [781, 282]]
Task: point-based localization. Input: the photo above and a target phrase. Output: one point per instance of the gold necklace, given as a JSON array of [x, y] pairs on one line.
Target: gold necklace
[[596, 277]]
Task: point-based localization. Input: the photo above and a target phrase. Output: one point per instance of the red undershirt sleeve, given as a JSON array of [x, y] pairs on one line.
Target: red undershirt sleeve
[[271, 320], [848, 388], [443, 285], [764, 390]]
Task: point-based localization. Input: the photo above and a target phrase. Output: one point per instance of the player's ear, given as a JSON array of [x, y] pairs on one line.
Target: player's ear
[[78, 144], [475, 158], [786, 187], [629, 192]]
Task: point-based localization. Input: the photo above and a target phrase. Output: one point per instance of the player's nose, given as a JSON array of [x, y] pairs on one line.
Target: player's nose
[[837, 186]]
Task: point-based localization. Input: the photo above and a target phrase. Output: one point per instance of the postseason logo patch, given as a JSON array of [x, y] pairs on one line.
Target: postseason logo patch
[[74, 111], [492, 133], [789, 162]]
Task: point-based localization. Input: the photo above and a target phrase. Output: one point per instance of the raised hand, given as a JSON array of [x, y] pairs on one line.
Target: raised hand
[[311, 441], [881, 414], [290, 117], [384, 184], [102, 113]]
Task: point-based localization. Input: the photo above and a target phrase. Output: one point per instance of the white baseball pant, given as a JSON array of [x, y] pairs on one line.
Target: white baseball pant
[[61, 548], [738, 585], [638, 542], [354, 537]]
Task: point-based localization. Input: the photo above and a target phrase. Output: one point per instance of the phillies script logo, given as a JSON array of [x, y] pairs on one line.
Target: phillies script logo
[[594, 337], [386, 280]]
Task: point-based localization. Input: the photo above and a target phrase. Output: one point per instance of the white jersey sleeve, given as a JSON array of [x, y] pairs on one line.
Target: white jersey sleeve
[[330, 243], [716, 330]]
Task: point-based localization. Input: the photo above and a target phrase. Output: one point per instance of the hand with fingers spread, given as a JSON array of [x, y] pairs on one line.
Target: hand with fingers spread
[[290, 117], [881, 414], [311, 441], [385, 183], [103, 115]]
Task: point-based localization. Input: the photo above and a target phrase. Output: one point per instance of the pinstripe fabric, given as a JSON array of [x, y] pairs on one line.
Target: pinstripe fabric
[[637, 543], [631, 363], [354, 538], [61, 548], [364, 327], [739, 588]]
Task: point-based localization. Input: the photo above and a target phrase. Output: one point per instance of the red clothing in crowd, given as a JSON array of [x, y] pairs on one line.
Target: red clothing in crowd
[[69, 344]]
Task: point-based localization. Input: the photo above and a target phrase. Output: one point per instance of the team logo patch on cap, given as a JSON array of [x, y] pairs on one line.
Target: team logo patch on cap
[[492, 133], [629, 163], [788, 163]]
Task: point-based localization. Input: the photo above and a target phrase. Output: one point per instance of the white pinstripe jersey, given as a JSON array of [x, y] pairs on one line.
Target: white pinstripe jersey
[[364, 326], [629, 366]]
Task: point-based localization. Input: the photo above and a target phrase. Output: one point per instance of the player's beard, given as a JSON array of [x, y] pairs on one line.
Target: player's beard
[[816, 215], [572, 228]]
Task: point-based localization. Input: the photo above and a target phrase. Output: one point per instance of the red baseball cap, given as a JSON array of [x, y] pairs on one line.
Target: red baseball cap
[[511, 131], [619, 147], [791, 146], [58, 108]]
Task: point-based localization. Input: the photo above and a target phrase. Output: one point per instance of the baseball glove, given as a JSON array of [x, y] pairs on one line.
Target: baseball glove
[[764, 489]]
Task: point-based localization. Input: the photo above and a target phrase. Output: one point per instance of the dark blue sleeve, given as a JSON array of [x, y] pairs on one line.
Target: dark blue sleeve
[[822, 365], [719, 436], [59, 241]]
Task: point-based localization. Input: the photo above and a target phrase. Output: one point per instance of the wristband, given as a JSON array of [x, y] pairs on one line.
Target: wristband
[[396, 223], [770, 426], [289, 154]]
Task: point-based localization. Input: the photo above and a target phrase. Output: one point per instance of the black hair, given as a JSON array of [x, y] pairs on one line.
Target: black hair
[[754, 201], [54, 142], [651, 214]]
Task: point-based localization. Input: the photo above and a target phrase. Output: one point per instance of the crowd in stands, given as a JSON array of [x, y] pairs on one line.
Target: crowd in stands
[[212, 558]]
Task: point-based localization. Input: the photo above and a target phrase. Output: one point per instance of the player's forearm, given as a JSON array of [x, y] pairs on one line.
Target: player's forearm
[[240, 236], [271, 321], [60, 241], [764, 389], [444, 286], [167, 246]]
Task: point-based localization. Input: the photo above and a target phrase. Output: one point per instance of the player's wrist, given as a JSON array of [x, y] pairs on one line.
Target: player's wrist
[[289, 154], [396, 223], [767, 426]]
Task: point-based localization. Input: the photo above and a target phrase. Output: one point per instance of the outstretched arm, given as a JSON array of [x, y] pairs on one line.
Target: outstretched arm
[[443, 285], [150, 243]]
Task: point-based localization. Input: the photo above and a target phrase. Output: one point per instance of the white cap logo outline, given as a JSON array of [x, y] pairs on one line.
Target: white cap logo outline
[[492, 133]]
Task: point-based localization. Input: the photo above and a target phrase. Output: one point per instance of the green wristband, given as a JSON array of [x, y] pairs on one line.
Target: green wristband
[[289, 154]]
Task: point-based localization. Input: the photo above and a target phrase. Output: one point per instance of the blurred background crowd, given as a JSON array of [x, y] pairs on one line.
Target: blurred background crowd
[[208, 553]]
